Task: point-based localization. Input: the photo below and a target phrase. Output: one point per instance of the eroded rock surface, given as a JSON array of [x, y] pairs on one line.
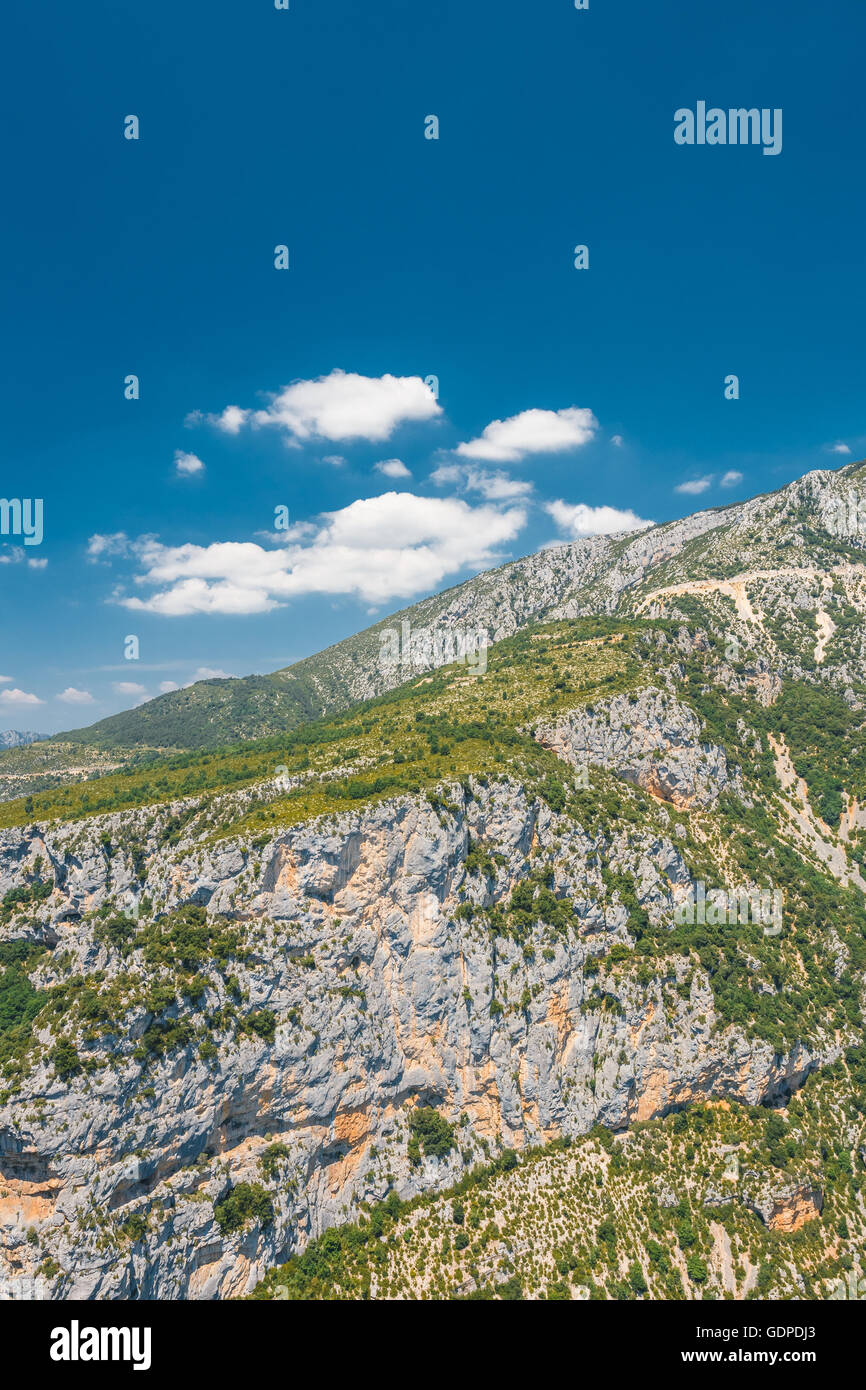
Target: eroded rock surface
[[386, 992], [650, 739]]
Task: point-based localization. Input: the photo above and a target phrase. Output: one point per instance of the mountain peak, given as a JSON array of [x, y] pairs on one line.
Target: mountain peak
[[18, 738]]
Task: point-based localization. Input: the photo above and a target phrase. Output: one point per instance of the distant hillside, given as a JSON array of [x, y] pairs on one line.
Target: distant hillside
[[210, 713], [812, 522]]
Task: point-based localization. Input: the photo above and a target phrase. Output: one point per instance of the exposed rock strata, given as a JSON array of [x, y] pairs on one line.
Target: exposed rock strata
[[395, 1010]]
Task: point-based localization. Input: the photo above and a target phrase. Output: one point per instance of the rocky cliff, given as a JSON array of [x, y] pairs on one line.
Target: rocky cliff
[[286, 980], [327, 982]]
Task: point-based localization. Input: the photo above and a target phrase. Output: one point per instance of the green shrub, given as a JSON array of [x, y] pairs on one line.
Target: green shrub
[[260, 1022], [269, 1160], [245, 1204], [134, 1227], [697, 1269], [65, 1059], [431, 1131]]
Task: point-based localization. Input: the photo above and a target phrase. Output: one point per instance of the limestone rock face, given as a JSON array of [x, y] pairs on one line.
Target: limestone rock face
[[650, 739], [787, 1207], [387, 990]]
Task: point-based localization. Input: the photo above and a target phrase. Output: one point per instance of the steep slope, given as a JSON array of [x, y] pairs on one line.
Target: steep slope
[[402, 942], [812, 523], [575, 927], [701, 1203]]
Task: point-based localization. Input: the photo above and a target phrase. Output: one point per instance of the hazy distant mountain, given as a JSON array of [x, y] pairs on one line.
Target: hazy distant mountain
[[17, 738]]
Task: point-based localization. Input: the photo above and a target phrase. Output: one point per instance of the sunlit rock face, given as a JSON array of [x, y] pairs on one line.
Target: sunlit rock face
[[358, 937]]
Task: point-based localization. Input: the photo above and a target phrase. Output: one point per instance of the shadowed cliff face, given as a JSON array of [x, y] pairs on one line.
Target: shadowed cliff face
[[367, 943]]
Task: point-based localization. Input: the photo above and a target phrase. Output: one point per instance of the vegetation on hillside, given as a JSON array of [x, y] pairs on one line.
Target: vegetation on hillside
[[446, 724], [664, 1211]]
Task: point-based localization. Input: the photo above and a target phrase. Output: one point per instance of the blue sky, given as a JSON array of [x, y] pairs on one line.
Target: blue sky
[[409, 258]]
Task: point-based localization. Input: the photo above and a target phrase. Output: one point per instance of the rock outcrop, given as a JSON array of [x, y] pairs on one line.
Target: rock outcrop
[[786, 1207], [650, 739], [365, 940]]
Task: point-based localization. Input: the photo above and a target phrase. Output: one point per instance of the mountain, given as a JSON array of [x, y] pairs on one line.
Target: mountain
[[16, 738], [814, 519], [536, 976]]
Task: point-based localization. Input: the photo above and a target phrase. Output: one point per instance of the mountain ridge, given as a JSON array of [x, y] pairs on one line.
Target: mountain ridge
[[18, 738], [594, 575], [314, 1015]]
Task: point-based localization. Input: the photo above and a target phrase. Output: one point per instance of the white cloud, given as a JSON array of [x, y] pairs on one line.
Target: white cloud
[[342, 405], [16, 555], [334, 460], [496, 486], [187, 463], [6, 680], [128, 688], [532, 432], [298, 531], [19, 697], [98, 546], [71, 696], [617, 441], [579, 520], [378, 548], [731, 478], [839, 448], [695, 485], [166, 686], [392, 468], [232, 419]]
